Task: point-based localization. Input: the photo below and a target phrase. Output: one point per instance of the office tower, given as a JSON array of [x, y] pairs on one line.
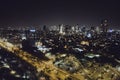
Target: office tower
[[104, 25]]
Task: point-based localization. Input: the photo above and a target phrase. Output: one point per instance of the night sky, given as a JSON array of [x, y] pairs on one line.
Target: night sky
[[50, 12]]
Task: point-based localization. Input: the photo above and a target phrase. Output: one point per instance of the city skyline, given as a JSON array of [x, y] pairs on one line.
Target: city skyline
[[59, 12]]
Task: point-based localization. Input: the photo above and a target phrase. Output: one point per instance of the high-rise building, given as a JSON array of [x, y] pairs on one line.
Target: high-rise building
[[104, 25], [61, 29], [77, 28], [97, 29]]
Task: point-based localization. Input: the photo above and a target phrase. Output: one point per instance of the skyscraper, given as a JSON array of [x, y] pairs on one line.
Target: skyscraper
[[104, 25]]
